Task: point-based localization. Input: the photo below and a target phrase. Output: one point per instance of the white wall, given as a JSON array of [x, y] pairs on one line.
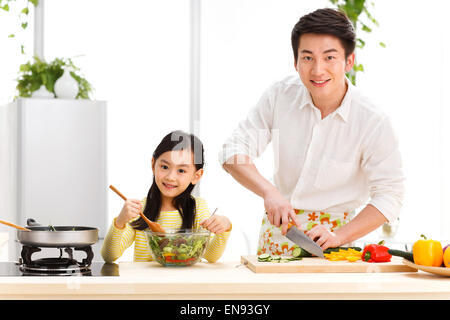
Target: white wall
[[409, 79]]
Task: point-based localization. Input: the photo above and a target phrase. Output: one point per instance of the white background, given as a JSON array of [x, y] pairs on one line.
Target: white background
[[136, 55]]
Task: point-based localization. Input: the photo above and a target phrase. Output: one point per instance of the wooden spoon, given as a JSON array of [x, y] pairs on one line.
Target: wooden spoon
[[154, 226], [14, 225]]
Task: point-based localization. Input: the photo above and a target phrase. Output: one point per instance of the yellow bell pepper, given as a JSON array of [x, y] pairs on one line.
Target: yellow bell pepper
[[427, 252], [169, 254]]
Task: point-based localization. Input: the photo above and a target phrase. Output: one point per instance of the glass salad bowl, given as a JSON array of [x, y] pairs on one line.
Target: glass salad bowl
[[183, 247]]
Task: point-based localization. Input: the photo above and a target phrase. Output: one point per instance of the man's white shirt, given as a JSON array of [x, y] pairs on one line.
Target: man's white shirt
[[336, 164]]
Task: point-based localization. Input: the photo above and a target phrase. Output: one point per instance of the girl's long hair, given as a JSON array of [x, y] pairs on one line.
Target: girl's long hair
[[185, 203]]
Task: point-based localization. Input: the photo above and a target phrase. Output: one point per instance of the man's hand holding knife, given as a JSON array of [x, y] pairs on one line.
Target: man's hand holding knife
[[279, 211]]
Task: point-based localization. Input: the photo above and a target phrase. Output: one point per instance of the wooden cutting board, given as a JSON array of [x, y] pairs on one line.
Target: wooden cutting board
[[315, 265]]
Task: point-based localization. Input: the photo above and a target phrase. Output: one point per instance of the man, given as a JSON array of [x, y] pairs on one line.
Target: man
[[333, 149]]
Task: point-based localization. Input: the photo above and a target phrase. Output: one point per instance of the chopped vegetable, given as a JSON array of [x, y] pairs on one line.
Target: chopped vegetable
[[333, 254], [305, 253], [276, 258], [343, 254], [296, 252]]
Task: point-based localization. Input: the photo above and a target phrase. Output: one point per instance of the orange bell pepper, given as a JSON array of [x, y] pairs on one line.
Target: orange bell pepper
[[427, 252], [446, 257]]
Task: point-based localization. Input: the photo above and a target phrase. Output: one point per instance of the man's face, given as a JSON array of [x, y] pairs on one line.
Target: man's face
[[322, 65]]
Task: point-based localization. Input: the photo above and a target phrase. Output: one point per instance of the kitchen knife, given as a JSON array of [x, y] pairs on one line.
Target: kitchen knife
[[303, 241]]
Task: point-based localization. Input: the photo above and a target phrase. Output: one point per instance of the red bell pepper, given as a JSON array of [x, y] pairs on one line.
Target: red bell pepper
[[376, 253], [170, 259]]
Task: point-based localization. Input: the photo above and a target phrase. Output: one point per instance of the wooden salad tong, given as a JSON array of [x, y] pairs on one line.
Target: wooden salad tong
[[154, 226]]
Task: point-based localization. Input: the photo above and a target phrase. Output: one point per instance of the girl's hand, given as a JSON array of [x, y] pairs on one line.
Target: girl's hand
[[216, 224], [130, 210]]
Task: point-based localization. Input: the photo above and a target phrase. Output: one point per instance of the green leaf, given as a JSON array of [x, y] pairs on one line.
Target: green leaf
[[358, 67], [360, 43], [34, 2], [44, 78], [366, 28], [371, 18], [11, 36], [24, 25], [24, 67], [25, 11], [353, 8], [35, 85], [382, 44], [351, 77], [5, 7]]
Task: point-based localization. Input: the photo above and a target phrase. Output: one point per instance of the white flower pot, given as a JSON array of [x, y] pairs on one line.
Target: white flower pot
[[42, 93], [66, 87]]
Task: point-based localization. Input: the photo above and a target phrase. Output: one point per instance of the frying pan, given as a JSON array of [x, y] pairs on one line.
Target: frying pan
[[57, 236]]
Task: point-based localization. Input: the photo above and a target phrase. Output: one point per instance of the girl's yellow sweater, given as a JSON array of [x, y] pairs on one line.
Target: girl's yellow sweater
[[118, 240]]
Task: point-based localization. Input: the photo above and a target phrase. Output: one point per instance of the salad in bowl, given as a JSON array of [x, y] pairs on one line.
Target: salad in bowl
[[183, 247]]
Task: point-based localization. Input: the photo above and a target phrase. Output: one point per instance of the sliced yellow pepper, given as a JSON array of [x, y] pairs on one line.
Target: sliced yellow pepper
[[169, 254], [342, 255], [353, 258]]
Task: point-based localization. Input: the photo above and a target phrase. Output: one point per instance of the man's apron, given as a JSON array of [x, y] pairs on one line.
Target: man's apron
[[271, 240]]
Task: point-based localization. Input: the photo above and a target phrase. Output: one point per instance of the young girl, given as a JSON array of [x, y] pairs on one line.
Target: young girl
[[177, 166]]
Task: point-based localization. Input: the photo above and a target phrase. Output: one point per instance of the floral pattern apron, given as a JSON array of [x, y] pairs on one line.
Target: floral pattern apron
[[271, 240]]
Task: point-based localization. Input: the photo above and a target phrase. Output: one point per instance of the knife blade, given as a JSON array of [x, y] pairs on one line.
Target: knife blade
[[303, 241]]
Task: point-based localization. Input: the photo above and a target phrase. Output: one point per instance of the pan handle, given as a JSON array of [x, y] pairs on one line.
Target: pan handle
[[32, 223]]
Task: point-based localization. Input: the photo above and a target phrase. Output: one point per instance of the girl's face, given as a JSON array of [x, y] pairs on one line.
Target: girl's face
[[174, 171]]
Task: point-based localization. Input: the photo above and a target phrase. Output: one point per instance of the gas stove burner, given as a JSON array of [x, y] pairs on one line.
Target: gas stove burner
[[54, 267], [58, 266]]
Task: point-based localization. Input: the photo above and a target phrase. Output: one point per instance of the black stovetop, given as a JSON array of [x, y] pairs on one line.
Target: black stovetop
[[97, 267]]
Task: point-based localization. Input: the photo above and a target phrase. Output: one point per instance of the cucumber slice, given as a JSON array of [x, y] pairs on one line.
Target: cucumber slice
[[295, 258], [276, 258], [296, 252]]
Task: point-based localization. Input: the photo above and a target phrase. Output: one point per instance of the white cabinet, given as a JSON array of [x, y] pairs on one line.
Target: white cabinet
[[53, 165]]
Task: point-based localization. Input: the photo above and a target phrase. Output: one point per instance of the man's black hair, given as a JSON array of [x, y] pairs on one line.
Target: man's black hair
[[325, 21]]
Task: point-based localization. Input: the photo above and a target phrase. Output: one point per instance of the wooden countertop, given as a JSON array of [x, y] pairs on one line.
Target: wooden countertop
[[228, 280]]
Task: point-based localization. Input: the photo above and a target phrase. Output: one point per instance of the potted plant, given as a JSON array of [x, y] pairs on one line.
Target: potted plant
[[40, 73], [354, 9]]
